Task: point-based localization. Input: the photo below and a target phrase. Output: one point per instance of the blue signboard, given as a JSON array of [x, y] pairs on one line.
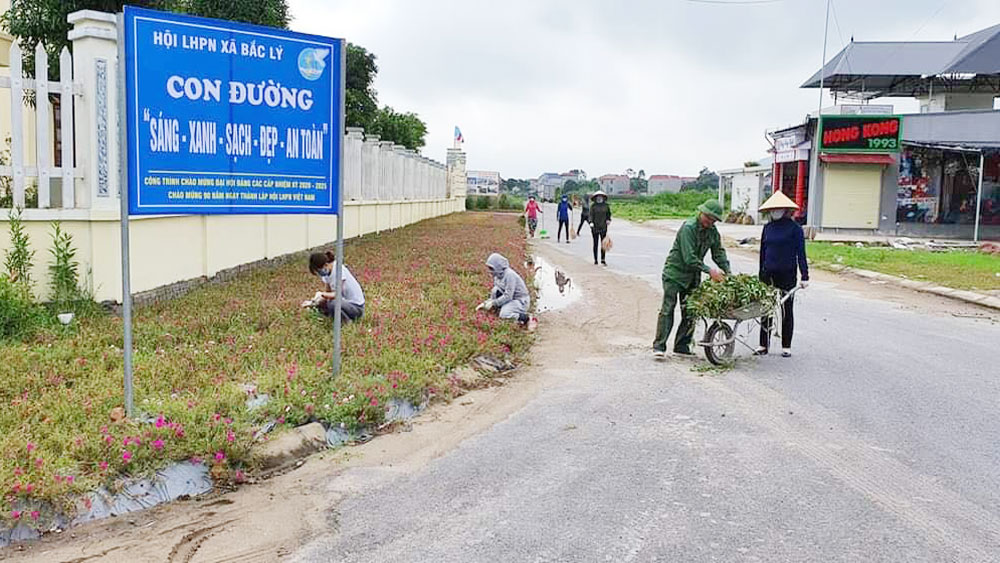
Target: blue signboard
[[228, 118]]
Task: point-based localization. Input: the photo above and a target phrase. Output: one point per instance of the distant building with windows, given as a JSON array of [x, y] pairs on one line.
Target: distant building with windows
[[546, 185], [614, 184], [659, 183]]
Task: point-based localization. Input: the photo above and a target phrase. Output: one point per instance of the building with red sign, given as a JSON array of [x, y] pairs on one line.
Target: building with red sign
[[934, 173]]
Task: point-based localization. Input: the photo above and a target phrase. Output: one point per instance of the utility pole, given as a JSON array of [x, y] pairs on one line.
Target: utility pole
[[811, 218]]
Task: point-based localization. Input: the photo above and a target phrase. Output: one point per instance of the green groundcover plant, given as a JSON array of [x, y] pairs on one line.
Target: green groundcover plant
[[200, 358]]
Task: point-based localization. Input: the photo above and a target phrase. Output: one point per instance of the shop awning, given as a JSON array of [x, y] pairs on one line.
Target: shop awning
[[854, 158]]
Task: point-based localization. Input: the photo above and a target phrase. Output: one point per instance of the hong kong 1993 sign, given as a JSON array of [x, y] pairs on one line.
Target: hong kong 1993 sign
[[857, 133], [227, 118]]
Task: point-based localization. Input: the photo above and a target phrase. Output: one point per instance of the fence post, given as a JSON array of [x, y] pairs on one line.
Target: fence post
[[66, 102], [95, 58], [17, 123], [42, 109]]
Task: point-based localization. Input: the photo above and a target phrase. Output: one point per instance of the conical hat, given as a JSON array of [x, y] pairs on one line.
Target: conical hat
[[778, 201]]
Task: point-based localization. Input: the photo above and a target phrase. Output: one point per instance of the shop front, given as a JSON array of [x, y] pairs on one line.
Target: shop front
[[856, 153], [938, 191], [791, 166]]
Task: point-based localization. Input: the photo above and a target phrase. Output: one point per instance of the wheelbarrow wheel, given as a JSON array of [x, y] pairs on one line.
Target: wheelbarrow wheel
[[719, 344]]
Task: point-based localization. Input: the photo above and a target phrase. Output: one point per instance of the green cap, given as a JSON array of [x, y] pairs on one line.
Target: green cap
[[712, 208]]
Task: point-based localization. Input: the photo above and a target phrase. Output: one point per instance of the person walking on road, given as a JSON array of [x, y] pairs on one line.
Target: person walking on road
[[584, 213], [531, 210], [600, 218], [682, 274], [782, 252], [563, 215]]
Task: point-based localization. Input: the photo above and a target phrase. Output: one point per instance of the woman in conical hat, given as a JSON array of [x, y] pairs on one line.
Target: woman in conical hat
[[782, 258]]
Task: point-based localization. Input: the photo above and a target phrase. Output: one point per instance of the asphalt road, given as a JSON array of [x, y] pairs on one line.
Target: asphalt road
[[877, 441]]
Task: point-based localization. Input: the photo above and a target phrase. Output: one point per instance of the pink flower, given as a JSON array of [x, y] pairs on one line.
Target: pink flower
[[219, 456], [15, 514], [30, 447], [70, 479], [18, 471], [196, 460], [230, 437], [29, 487], [57, 478], [374, 402], [34, 515], [126, 456], [240, 477], [157, 444], [160, 423], [39, 462], [103, 465]]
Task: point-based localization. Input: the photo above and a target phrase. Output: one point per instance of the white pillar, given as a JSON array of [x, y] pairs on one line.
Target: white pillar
[[457, 178], [401, 173], [95, 67], [353, 173], [387, 159], [373, 145]]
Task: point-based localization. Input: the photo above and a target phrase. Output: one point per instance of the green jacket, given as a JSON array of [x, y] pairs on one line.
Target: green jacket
[[685, 263]]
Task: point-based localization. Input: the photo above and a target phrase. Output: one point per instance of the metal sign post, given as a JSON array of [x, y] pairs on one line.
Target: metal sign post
[[339, 282], [979, 194], [123, 198]]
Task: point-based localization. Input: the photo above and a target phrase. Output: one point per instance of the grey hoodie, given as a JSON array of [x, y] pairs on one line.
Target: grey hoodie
[[507, 284]]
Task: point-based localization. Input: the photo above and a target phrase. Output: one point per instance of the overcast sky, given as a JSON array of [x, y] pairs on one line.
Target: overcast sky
[[661, 85]]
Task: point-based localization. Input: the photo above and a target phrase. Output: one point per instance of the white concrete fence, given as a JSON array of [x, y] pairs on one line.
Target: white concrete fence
[[386, 186]]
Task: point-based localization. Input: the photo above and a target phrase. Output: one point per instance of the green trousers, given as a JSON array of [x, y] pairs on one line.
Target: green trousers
[[672, 293]]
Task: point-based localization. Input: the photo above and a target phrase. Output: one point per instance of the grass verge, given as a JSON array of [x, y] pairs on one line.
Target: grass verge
[[198, 358], [660, 206], [956, 268]]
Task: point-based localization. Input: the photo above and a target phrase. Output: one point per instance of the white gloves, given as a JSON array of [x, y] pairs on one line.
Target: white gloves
[[804, 284], [485, 305], [314, 301]]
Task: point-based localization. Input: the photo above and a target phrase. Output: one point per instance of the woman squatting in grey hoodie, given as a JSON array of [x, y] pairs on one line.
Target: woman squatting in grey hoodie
[[509, 294]]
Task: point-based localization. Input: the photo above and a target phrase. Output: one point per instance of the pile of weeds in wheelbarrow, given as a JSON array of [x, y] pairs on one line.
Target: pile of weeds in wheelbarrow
[[714, 300]]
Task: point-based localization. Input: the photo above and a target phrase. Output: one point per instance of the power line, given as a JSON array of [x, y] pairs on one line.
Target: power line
[[836, 20]]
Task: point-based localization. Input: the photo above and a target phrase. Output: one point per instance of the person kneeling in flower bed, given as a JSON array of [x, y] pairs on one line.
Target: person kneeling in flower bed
[[509, 295], [352, 304]]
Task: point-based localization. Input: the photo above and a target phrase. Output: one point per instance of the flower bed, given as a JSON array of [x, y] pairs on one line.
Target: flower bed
[[198, 360]]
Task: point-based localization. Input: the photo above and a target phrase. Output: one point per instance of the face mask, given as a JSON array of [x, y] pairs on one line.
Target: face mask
[[777, 214], [325, 272]]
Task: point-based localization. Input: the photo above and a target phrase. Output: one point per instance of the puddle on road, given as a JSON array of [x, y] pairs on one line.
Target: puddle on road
[[556, 290]]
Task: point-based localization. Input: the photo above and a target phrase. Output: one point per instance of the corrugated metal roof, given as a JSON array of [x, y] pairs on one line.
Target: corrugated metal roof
[[883, 65]]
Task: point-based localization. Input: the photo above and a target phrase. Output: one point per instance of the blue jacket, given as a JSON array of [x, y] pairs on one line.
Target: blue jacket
[[783, 249], [564, 208]]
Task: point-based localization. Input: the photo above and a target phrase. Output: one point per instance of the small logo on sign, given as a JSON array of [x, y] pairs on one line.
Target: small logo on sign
[[312, 62]]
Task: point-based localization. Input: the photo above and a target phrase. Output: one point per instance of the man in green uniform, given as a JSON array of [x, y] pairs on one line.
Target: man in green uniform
[[682, 274]]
